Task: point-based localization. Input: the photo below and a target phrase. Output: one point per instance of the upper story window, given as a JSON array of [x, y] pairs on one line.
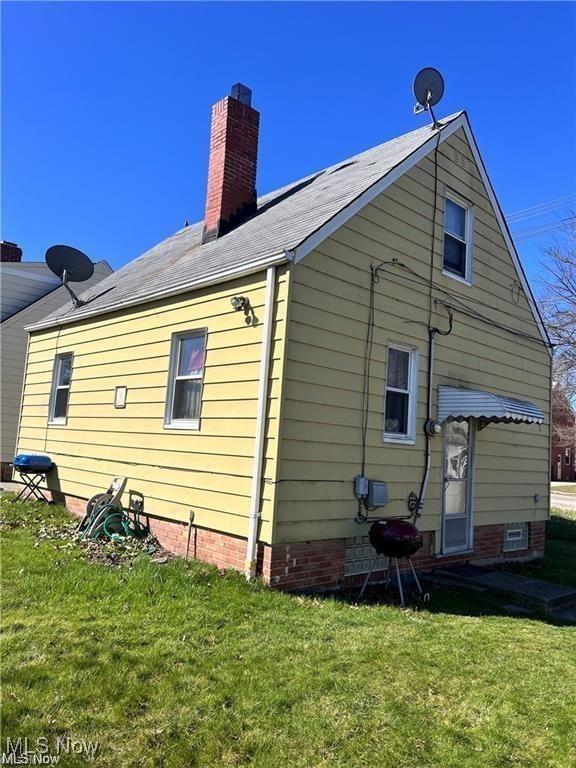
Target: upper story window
[[60, 394], [401, 394], [184, 396], [458, 230]]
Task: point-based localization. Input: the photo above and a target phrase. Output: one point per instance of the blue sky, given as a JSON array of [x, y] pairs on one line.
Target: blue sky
[[105, 106]]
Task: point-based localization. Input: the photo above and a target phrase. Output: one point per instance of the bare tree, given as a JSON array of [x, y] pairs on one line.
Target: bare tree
[[558, 303]]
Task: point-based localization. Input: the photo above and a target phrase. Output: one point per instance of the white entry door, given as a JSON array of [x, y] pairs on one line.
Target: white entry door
[[457, 486]]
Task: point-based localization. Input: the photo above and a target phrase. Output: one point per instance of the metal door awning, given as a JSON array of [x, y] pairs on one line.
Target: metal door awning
[[488, 408]]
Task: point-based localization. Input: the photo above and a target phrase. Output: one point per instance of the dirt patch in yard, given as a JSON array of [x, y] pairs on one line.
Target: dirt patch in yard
[[61, 533]]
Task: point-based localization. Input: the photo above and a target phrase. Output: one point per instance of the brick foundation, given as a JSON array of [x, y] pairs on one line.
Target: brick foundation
[[317, 564], [5, 472]]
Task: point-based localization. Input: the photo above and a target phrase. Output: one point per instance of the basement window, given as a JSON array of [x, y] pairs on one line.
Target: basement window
[[59, 396], [360, 557], [515, 537], [401, 394], [458, 229], [185, 380]]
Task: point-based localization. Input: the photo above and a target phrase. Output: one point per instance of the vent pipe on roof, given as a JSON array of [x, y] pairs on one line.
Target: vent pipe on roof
[[10, 252], [231, 193]]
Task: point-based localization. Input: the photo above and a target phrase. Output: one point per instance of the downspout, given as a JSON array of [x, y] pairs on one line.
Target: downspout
[[428, 425], [254, 514]]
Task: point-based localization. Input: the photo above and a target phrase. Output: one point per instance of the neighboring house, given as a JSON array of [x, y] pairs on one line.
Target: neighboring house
[[563, 437], [29, 292], [251, 425]]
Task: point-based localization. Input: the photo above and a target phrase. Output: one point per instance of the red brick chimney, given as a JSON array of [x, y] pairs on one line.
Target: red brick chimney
[[231, 194], [10, 251]]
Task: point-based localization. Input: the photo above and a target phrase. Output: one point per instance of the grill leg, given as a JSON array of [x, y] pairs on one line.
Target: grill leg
[[416, 579], [399, 578], [388, 573], [367, 579], [31, 488]]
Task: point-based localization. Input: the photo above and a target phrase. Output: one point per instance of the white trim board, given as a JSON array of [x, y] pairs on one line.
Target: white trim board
[[366, 197]]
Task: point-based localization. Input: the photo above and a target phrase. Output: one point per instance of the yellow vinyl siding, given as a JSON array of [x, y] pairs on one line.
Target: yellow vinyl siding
[[209, 470], [14, 339], [320, 432]]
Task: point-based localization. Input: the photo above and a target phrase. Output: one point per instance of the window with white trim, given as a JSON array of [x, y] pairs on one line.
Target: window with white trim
[[567, 455], [60, 394], [458, 230], [185, 380], [401, 394]]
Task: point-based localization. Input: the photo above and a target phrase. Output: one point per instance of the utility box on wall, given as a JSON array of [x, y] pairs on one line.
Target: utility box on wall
[[377, 493]]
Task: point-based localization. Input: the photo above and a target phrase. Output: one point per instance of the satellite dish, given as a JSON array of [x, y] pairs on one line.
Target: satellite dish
[[428, 89], [70, 265]]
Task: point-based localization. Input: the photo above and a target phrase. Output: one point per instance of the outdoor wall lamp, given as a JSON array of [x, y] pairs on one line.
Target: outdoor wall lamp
[[239, 302]]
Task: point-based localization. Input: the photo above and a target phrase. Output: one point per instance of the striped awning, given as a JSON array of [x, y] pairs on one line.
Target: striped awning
[[459, 403]]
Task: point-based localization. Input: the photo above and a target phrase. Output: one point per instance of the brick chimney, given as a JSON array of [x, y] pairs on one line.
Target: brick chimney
[[231, 194], [10, 251]]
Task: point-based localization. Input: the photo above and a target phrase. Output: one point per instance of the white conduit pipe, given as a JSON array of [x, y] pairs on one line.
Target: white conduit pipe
[[260, 437], [424, 486]]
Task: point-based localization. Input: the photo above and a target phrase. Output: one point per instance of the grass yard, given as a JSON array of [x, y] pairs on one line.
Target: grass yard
[[559, 565], [176, 665]]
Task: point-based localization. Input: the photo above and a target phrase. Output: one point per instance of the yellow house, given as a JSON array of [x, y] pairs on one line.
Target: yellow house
[[372, 320]]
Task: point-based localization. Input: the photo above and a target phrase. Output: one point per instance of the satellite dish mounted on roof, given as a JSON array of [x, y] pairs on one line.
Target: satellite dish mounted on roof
[[70, 265], [428, 89]]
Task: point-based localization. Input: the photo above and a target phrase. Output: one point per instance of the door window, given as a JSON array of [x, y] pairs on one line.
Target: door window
[[456, 528]]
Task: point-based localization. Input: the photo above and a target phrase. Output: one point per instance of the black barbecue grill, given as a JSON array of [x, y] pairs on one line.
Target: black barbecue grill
[[395, 539], [32, 470]]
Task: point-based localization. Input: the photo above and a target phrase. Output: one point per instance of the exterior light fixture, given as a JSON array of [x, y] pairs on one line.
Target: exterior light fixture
[[239, 302]]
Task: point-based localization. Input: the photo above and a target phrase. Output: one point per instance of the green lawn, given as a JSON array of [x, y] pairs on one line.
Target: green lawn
[[559, 565], [178, 665]]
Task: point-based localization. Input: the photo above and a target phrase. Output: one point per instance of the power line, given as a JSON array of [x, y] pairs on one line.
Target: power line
[[531, 232], [541, 208]]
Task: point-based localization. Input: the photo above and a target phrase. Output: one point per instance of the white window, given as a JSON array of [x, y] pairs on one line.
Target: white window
[[59, 396], [567, 455], [401, 394], [458, 229], [184, 397]]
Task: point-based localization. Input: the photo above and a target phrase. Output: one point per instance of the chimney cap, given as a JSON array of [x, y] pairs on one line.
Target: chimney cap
[[241, 93], [10, 251]]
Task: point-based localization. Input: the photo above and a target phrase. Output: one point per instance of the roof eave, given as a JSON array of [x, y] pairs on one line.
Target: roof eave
[[192, 285]]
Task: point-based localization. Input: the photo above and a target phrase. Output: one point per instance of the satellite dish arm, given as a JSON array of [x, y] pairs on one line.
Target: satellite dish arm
[[427, 107], [76, 300]]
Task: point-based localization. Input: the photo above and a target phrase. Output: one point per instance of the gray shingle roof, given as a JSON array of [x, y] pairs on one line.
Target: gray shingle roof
[[285, 218]]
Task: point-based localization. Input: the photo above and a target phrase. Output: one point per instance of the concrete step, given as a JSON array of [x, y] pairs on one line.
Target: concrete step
[[542, 595], [566, 614]]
